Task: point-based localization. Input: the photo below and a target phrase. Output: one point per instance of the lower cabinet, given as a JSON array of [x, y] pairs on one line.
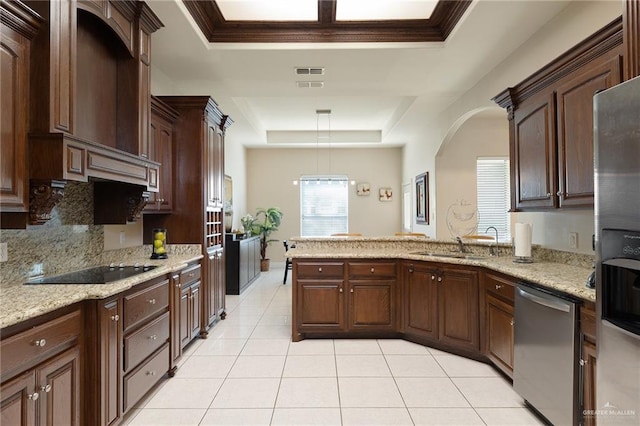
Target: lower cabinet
[[441, 304], [497, 300], [342, 297], [242, 263], [588, 364], [41, 374], [213, 289], [127, 348], [187, 313]]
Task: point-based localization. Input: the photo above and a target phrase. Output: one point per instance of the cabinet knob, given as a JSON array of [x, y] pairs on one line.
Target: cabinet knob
[[178, 285], [191, 275], [40, 343], [351, 291], [583, 362], [319, 269], [511, 323], [34, 396], [153, 337], [152, 301], [439, 279], [46, 388], [115, 317], [559, 193], [341, 290], [433, 277], [548, 194], [373, 270], [499, 286], [151, 373]]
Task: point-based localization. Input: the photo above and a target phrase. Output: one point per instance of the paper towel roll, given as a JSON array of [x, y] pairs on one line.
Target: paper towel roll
[[522, 241]]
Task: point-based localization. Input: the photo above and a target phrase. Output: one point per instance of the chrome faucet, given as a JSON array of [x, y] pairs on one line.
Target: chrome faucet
[[461, 247], [493, 250]]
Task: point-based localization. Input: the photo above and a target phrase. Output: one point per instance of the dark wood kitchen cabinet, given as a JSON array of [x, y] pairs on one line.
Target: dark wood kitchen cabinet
[[197, 214], [18, 26], [242, 263], [551, 123], [160, 150], [128, 349], [588, 363], [188, 315], [345, 297], [497, 307], [441, 304], [41, 370]]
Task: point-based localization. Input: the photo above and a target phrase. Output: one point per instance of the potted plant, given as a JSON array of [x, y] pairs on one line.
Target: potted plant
[[264, 223]]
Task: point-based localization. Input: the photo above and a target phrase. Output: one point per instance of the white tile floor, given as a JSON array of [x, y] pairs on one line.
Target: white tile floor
[[249, 373]]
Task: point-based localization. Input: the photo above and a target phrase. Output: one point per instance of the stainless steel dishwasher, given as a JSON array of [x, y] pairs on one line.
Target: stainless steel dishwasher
[[545, 370]]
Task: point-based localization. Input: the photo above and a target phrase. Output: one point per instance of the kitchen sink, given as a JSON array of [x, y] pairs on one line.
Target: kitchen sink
[[452, 255]]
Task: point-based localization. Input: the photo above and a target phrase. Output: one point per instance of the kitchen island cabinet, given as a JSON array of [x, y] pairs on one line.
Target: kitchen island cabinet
[[41, 369], [345, 298], [441, 305]]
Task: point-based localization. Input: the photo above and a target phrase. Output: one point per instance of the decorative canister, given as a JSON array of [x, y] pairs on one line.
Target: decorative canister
[[159, 243]]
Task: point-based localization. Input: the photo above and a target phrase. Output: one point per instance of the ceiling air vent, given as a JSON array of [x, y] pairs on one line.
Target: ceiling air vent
[[310, 84], [309, 70]]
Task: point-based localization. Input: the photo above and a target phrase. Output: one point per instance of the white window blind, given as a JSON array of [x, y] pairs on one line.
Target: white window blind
[[324, 205], [494, 196]]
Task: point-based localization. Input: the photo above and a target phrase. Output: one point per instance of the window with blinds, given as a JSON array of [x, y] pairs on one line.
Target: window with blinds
[[494, 196], [324, 205]]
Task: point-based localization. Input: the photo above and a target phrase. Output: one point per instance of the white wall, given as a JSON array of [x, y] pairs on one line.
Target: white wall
[[456, 163], [270, 173]]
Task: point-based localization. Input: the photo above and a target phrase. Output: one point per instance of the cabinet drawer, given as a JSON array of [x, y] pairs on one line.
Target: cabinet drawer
[[190, 274], [142, 343], [39, 342], [499, 286], [145, 304], [320, 269], [140, 381], [369, 270]]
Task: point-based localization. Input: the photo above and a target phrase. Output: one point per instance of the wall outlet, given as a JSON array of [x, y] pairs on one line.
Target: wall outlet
[[123, 237], [573, 240], [4, 252]]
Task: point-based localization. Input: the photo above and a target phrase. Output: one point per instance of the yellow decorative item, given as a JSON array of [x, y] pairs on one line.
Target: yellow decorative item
[[159, 244]]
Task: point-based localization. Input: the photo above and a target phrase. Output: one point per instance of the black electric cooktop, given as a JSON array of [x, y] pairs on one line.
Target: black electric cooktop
[[97, 275]]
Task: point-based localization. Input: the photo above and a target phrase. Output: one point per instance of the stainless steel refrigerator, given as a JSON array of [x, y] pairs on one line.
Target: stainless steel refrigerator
[[617, 228]]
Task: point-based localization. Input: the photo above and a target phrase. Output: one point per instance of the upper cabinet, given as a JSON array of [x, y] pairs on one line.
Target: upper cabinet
[[551, 124], [18, 26]]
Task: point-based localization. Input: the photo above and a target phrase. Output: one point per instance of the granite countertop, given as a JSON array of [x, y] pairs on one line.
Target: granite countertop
[[547, 273], [21, 302]]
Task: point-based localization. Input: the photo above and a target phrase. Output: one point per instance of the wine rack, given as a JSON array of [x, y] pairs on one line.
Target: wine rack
[[213, 232]]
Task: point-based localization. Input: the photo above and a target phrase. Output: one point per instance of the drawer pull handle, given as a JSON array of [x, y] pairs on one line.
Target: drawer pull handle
[[583, 362], [151, 373], [34, 396], [115, 317], [153, 337], [499, 286], [191, 275], [40, 343], [373, 270], [319, 269], [46, 388], [152, 301]]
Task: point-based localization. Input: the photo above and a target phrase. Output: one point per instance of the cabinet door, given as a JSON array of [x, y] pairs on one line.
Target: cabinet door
[[533, 154], [185, 317], [218, 285], [111, 358], [499, 333], [420, 301], [246, 252], [588, 364], [58, 381], [575, 129], [18, 399], [160, 141], [320, 305], [195, 303], [176, 319], [14, 90], [210, 166], [372, 305], [458, 298]]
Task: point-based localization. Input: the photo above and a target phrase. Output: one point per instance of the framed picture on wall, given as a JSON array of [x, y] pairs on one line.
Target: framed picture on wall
[[422, 198]]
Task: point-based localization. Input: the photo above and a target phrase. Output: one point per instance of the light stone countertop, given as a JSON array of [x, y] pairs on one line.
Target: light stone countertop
[[563, 277], [20, 302]]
